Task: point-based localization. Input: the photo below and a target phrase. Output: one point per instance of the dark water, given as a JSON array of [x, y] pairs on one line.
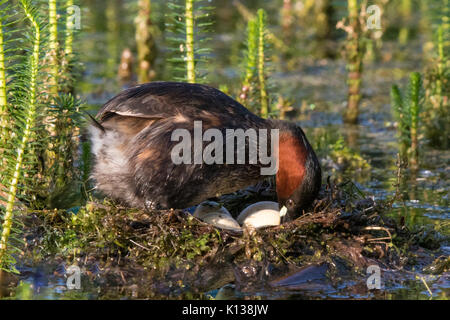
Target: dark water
[[316, 88]]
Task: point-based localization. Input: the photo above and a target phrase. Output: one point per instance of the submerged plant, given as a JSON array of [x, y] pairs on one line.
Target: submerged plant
[[18, 152], [407, 108], [188, 24]]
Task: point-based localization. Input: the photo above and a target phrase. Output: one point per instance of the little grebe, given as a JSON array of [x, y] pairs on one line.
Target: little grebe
[[132, 143]]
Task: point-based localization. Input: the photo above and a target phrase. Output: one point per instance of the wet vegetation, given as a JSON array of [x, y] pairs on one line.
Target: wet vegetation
[[369, 85]]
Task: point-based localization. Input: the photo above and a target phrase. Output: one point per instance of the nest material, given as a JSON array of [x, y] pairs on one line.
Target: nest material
[[170, 253]]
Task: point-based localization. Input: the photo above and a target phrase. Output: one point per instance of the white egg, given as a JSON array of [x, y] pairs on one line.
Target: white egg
[[216, 215], [261, 214]]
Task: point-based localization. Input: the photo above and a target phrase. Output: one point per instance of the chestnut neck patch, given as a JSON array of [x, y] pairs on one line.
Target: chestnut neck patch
[[291, 170]]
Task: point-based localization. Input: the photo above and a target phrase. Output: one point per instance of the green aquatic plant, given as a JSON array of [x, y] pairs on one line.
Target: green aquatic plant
[[43, 126], [69, 59], [271, 37], [145, 43], [264, 98], [109, 17], [250, 65], [282, 107], [18, 153], [323, 21], [374, 38], [354, 53], [188, 25], [190, 57], [287, 20], [4, 114], [254, 73], [85, 167], [407, 108], [440, 65], [66, 112], [53, 46], [405, 14], [62, 111], [355, 64], [70, 25], [359, 35], [437, 122], [337, 154]]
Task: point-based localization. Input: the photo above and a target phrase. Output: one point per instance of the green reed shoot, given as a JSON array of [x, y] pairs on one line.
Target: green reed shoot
[[3, 91], [262, 17], [53, 46], [249, 81], [407, 108], [190, 60], [437, 128], [85, 166], [405, 11], [188, 25], [26, 111], [62, 114], [38, 150], [70, 25], [254, 73]]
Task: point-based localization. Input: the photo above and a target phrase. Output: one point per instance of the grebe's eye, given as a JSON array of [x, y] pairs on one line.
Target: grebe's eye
[[290, 203]]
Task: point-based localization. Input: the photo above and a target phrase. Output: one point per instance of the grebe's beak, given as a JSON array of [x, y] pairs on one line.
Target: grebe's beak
[[283, 216]]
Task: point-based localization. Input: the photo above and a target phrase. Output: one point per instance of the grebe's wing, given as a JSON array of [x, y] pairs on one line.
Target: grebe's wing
[[162, 100]]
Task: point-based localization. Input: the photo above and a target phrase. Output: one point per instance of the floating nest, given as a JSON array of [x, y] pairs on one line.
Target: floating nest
[[169, 253]]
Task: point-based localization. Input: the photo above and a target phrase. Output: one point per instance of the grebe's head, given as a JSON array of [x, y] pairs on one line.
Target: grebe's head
[[299, 176]]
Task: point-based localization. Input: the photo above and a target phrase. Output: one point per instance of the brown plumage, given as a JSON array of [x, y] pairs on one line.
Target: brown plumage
[[132, 144]]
